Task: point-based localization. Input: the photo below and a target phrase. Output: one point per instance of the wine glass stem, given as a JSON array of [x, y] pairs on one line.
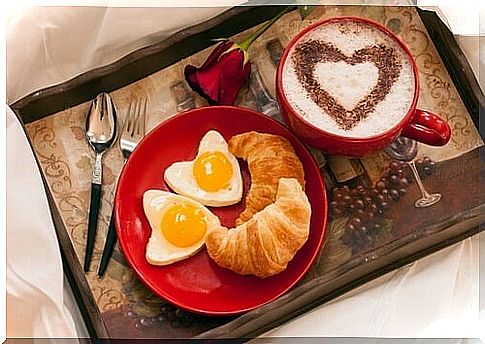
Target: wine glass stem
[[412, 165]]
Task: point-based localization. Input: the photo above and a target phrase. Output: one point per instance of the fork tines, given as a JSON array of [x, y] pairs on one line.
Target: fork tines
[[134, 126]]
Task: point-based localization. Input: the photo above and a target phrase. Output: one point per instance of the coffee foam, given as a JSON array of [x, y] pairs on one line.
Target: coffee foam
[[347, 83]]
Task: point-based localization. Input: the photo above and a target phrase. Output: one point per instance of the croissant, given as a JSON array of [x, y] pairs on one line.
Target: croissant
[[269, 157], [265, 244]]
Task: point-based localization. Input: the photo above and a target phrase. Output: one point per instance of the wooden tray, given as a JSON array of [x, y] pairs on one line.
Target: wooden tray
[[119, 306]]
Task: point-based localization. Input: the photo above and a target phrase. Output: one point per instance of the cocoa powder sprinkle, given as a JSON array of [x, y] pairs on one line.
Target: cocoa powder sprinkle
[[311, 52]]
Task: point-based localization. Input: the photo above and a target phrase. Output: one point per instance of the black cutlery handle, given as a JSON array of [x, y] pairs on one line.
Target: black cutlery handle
[[92, 223], [109, 245]]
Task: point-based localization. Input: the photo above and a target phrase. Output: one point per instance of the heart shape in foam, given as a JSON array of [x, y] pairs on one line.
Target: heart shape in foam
[[309, 57], [347, 83]]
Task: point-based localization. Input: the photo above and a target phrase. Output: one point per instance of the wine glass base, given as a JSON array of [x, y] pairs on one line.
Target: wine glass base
[[428, 201]]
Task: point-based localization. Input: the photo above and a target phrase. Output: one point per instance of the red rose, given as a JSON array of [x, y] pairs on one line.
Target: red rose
[[226, 69], [222, 75]]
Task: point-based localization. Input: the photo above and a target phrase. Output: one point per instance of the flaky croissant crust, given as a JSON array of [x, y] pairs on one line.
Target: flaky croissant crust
[[265, 244], [269, 157]]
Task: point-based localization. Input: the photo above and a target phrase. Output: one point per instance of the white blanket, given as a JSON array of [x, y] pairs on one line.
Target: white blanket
[[35, 282]]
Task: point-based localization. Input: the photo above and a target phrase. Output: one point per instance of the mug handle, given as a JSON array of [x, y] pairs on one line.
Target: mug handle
[[427, 128]]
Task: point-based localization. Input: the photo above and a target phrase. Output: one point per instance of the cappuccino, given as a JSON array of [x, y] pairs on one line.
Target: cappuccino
[[349, 78]]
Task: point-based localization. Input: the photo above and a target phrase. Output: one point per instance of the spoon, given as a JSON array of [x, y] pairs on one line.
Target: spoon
[[101, 134]]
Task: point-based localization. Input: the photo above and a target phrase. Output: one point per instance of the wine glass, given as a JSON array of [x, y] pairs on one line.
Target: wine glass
[[406, 149], [265, 103]]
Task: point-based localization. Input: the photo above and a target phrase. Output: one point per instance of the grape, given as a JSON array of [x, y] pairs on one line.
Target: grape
[[365, 235], [359, 204], [334, 208], [350, 226], [356, 222], [394, 194], [373, 208], [336, 212], [380, 199], [368, 216], [351, 208], [361, 191], [385, 193], [341, 206], [380, 185], [363, 202], [337, 195], [360, 213], [374, 193]]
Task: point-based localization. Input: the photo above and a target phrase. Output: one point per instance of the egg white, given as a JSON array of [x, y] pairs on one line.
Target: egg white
[[159, 251], [180, 177]]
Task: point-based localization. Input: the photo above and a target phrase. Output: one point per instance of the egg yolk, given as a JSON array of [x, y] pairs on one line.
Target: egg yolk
[[212, 171], [183, 225]]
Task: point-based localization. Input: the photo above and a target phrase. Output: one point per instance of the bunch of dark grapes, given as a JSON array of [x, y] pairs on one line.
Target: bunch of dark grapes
[[176, 316], [364, 204], [425, 167], [168, 313]]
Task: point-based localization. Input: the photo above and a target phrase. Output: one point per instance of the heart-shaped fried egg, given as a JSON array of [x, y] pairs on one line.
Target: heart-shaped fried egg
[[179, 226], [213, 178]]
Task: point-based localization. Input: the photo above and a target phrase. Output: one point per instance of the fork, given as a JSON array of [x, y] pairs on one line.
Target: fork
[[132, 132]]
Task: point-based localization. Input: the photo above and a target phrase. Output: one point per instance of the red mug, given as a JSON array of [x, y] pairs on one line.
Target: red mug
[[420, 125]]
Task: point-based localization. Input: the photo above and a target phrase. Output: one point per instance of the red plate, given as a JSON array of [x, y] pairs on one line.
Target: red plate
[[197, 284]]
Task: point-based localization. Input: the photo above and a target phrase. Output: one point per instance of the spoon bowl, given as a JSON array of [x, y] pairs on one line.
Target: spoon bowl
[[101, 123]]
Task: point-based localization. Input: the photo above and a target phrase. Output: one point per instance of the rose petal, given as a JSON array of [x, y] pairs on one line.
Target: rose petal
[[217, 52], [208, 83], [221, 76], [190, 73], [234, 74]]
